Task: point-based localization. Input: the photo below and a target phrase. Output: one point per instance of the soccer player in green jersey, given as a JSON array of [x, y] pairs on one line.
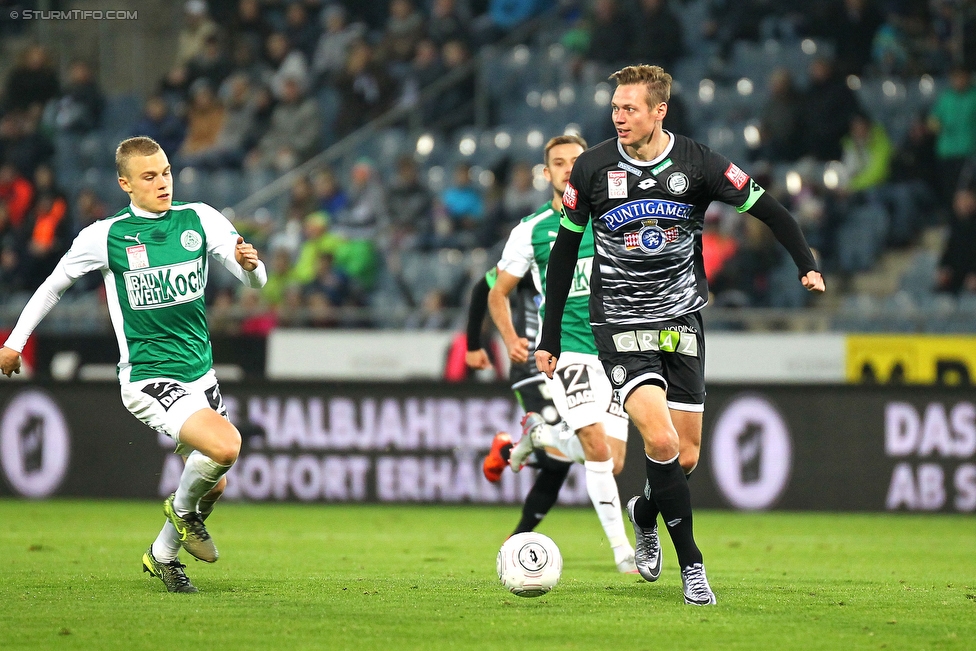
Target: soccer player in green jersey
[[153, 257]]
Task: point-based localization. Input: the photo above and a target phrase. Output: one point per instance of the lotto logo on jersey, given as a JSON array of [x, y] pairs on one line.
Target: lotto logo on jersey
[[174, 284], [617, 184], [570, 196], [737, 177]]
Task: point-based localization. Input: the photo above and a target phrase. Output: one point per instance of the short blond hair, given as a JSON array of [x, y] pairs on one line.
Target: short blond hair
[[137, 146], [567, 139], [657, 81]]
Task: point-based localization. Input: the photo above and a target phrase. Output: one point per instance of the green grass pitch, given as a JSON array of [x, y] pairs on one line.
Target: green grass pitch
[[415, 577]]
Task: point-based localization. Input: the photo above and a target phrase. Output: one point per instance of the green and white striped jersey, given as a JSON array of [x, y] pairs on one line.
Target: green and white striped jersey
[[528, 247], [155, 271]]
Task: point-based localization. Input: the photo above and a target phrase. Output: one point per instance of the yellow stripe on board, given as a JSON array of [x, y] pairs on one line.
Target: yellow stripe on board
[[911, 359]]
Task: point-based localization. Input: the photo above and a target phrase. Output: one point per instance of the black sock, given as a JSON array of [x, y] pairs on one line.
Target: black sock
[[669, 491], [506, 451], [543, 495], [645, 511]]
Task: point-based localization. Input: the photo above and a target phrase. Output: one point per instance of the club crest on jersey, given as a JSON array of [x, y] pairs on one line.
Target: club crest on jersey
[[138, 258], [651, 239], [677, 183], [191, 240], [736, 177], [617, 184], [618, 374]]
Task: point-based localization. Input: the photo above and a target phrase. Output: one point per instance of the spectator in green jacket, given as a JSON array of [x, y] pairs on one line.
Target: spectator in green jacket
[[953, 118]]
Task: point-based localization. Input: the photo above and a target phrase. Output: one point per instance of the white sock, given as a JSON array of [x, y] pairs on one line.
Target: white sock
[[560, 437], [200, 475], [166, 547], [572, 448], [602, 489]]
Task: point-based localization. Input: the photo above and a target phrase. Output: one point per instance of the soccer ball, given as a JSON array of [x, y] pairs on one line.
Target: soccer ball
[[529, 564]]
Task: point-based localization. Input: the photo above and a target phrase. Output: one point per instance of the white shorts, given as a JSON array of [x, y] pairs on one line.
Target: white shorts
[[165, 404], [583, 395]]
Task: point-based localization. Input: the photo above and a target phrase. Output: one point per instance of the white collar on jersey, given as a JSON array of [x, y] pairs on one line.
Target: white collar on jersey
[[139, 212], [647, 163]]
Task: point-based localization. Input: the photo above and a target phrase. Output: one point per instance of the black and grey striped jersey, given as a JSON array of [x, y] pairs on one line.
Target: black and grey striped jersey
[[647, 224]]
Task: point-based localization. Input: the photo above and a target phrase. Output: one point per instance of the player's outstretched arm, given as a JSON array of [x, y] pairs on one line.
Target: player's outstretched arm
[[501, 314], [787, 231], [44, 299]]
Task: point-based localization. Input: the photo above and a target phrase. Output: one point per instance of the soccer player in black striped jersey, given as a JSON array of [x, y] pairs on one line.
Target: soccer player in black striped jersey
[[646, 192]]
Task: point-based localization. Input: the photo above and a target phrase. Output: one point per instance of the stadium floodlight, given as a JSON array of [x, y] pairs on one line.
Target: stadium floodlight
[[809, 46], [435, 175], [752, 136], [706, 91], [853, 82], [521, 55], [744, 87], [549, 101], [831, 177], [572, 129], [926, 85], [794, 182], [602, 95], [533, 98], [486, 178], [425, 144], [467, 146], [567, 94], [534, 139], [503, 140]]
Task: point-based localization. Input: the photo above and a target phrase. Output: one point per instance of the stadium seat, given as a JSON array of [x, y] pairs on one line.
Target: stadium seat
[[919, 278], [861, 239]]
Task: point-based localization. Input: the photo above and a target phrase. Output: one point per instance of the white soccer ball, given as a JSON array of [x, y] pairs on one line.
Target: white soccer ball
[[529, 564]]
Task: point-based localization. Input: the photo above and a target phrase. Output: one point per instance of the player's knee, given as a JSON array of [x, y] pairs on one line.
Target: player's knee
[[662, 441], [688, 460], [618, 466], [227, 448]]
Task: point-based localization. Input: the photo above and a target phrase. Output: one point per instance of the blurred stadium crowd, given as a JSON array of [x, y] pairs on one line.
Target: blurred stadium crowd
[[860, 115]]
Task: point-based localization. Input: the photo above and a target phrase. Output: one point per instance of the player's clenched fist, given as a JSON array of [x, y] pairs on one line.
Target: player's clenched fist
[[246, 254], [9, 361], [545, 362]]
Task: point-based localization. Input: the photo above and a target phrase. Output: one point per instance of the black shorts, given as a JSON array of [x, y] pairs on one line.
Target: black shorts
[[669, 354], [533, 395]]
